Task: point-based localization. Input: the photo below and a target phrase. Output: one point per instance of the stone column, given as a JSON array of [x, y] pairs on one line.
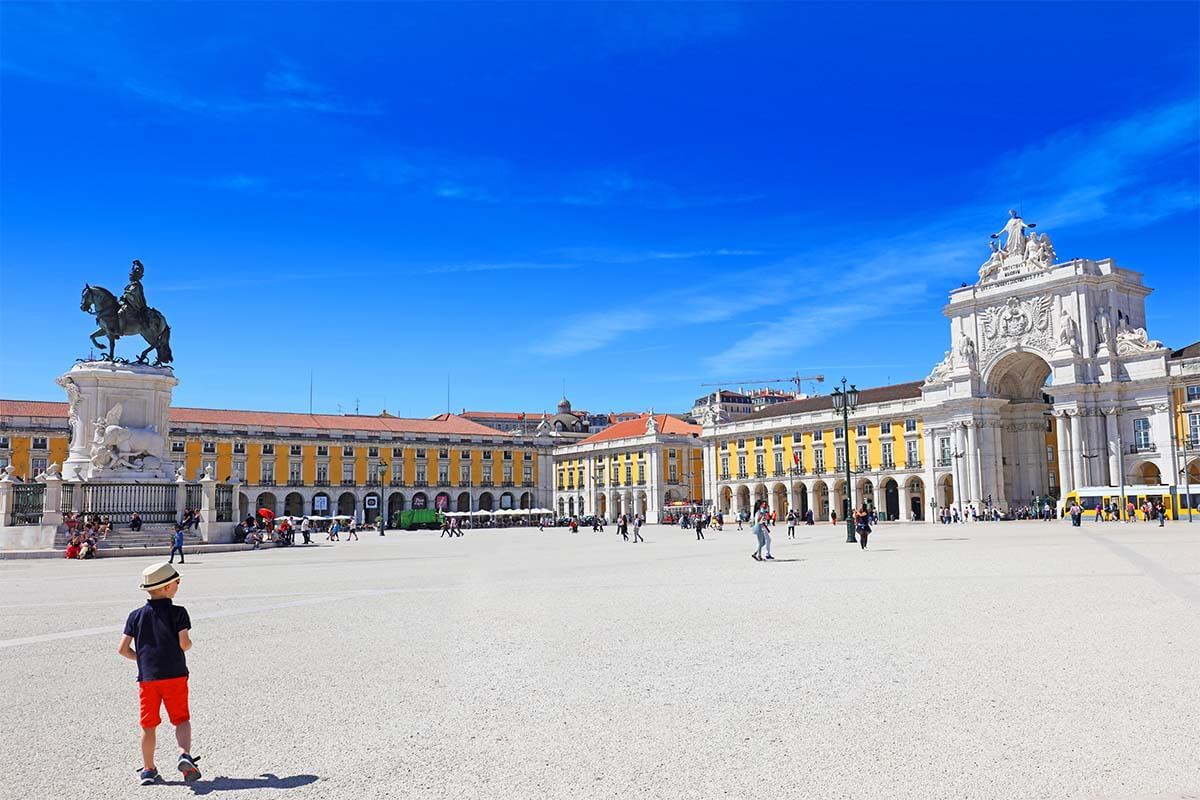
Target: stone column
[[1065, 477], [1112, 445], [52, 499], [880, 498], [905, 501], [959, 465], [654, 484], [1000, 497], [6, 498], [1162, 426], [930, 474], [181, 498], [1077, 475], [975, 462], [208, 507], [1098, 435]]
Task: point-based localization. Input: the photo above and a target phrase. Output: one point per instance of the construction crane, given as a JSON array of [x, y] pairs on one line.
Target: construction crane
[[796, 379]]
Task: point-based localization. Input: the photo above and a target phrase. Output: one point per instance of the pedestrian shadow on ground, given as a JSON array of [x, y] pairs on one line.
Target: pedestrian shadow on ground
[[786, 560], [265, 781]]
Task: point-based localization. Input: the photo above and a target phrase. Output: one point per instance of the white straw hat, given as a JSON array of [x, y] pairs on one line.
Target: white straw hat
[[158, 575]]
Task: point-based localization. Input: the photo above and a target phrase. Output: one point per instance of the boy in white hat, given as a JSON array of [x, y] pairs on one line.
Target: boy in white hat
[[160, 634]]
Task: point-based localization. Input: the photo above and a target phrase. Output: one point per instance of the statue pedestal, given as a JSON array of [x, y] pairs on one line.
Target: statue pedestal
[[119, 418]]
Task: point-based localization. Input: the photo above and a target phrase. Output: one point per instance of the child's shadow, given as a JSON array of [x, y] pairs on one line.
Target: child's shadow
[[264, 781]]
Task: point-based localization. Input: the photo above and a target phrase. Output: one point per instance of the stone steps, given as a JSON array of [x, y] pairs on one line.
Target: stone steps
[[148, 536]]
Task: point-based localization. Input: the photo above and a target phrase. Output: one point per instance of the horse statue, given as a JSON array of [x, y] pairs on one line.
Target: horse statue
[[152, 325]]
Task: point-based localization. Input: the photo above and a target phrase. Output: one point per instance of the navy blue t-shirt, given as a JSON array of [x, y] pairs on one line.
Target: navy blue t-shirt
[[155, 630]]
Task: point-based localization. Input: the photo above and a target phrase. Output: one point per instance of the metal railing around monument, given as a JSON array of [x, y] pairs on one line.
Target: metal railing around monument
[[194, 496], [28, 499], [224, 502], [153, 502]]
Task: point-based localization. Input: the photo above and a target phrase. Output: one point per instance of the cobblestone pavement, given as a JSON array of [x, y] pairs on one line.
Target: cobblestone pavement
[[1003, 660]]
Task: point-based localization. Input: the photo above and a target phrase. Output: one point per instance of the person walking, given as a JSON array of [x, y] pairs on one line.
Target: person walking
[[862, 526], [762, 534], [791, 521], [306, 530], [446, 528], [353, 531], [1160, 511], [177, 544], [637, 528], [623, 526], [700, 522]]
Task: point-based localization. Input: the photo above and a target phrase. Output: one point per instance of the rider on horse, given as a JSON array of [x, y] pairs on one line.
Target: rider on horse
[[132, 313]]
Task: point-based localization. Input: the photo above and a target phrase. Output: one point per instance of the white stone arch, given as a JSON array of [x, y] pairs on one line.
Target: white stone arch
[[725, 504], [1147, 473], [818, 493], [945, 492], [779, 500], [800, 500]]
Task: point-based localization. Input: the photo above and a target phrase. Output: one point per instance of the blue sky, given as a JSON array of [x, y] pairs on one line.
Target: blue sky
[[630, 200]]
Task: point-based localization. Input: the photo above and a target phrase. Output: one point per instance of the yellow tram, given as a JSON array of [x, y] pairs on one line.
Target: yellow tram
[[1093, 499]]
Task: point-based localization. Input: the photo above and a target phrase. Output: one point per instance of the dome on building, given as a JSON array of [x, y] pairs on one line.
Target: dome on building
[[564, 405]]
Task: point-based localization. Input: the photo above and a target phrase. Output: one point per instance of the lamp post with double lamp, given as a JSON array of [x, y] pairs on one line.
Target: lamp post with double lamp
[[846, 400], [382, 514]]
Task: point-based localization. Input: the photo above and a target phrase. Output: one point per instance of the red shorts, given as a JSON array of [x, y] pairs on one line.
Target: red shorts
[[171, 692]]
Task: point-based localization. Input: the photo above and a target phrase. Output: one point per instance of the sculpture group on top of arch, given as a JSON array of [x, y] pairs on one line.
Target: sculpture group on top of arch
[[1021, 252]]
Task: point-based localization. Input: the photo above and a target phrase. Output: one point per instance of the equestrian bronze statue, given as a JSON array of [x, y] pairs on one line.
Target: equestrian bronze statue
[[129, 316]]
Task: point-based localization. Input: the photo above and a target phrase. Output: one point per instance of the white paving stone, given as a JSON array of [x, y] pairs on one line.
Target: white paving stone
[[1014, 660]]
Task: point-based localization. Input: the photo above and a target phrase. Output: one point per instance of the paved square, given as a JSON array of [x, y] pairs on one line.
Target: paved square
[[974, 661]]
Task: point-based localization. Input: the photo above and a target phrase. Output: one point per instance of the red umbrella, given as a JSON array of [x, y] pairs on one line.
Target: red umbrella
[[266, 513]]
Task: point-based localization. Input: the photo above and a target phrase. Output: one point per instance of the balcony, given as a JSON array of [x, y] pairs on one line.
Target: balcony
[[321, 482], [724, 476], [888, 465], [1146, 447], [487, 483], [510, 483], [529, 484], [267, 482], [641, 482], [394, 482], [760, 473], [943, 462], [742, 475], [466, 484], [374, 482], [348, 482], [796, 471], [420, 484], [295, 482]]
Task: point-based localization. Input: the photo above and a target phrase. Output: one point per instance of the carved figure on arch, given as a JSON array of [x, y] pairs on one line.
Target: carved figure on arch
[[1068, 332], [967, 353], [1131, 340], [1014, 231]]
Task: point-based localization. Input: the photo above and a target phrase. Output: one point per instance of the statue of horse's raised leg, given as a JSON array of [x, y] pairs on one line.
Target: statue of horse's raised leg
[[97, 342]]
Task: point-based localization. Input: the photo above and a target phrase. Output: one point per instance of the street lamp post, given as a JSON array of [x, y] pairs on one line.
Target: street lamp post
[[846, 400], [958, 489]]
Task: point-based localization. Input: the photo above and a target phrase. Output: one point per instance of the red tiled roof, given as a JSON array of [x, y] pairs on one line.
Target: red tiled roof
[[440, 424], [866, 397], [637, 427]]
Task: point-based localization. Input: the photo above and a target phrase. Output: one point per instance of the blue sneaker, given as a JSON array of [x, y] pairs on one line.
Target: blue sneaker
[[187, 765], [150, 777]]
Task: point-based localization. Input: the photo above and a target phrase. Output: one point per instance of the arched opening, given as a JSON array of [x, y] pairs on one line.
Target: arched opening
[[838, 501], [800, 499], [891, 499], [1193, 472], [641, 503], [570, 506], [865, 495], [760, 496], [265, 500], [371, 507], [395, 504], [579, 505], [320, 504], [1020, 378], [486, 501], [506, 500], [779, 500], [1147, 474], [441, 501], [562, 507], [293, 505], [916, 498], [347, 502], [820, 500], [946, 491], [243, 505], [743, 499], [419, 501], [526, 499], [726, 495], [464, 502], [603, 501]]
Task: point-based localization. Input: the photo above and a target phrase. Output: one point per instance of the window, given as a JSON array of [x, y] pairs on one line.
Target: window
[[443, 452], [641, 473], [464, 474], [861, 430], [819, 460], [672, 473], [372, 452], [347, 473], [508, 455], [839, 457], [465, 455], [758, 441], [38, 465], [177, 447], [886, 455], [864, 461], [839, 433], [724, 465], [778, 438], [758, 464], [796, 438], [239, 471], [741, 466], [487, 455], [778, 462], [741, 443], [885, 427], [910, 425], [39, 443], [506, 475], [641, 456], [267, 471], [347, 451], [528, 474], [443, 475], [944, 451], [1141, 433], [322, 449], [912, 454], [1049, 454], [322, 473], [293, 470], [294, 450], [487, 473], [420, 452], [268, 449], [671, 454], [1193, 430], [1193, 392], [420, 476], [239, 448]]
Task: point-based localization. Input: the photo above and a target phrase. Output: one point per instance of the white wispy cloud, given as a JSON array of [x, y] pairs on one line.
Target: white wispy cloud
[[1111, 174]]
